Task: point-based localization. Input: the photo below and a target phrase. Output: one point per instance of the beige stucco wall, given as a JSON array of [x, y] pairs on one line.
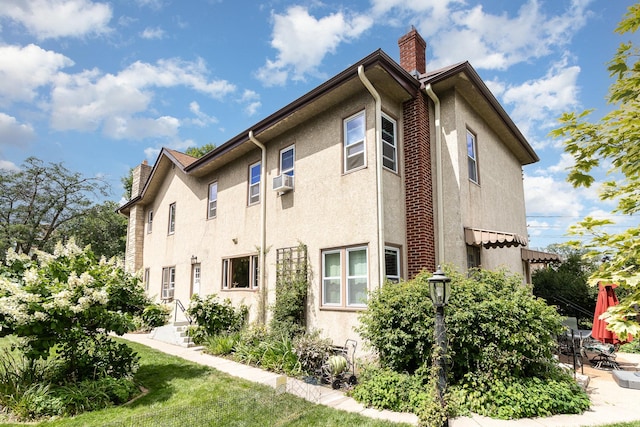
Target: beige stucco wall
[[496, 203], [327, 209]]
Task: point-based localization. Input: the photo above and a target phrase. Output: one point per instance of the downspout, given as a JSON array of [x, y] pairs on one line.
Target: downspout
[[263, 225], [439, 185], [380, 205]]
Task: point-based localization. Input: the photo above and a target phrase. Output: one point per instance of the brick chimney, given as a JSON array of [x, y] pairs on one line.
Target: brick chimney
[[413, 52], [140, 176]]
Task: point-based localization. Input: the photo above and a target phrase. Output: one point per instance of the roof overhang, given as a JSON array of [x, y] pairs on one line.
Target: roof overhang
[[386, 75], [492, 239], [538, 257], [465, 80]]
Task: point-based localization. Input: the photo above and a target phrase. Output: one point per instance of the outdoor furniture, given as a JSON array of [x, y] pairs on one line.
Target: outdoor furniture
[[601, 356]]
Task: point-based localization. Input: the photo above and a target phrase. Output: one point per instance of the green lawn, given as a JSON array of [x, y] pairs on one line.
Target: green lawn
[[181, 393]]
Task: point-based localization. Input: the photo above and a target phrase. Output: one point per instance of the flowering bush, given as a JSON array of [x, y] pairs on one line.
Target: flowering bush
[[71, 301]]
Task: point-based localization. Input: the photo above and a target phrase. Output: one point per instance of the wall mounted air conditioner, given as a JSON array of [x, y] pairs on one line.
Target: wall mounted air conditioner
[[283, 183]]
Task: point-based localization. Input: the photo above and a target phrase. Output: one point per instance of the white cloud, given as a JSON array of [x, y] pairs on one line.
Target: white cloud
[[566, 161], [202, 119], [152, 33], [88, 100], [24, 69], [58, 18], [14, 133], [9, 166], [458, 33], [302, 41], [536, 104], [252, 101], [548, 196]]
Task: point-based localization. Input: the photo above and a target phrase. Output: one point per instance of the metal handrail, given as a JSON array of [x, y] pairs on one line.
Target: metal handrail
[[184, 311]]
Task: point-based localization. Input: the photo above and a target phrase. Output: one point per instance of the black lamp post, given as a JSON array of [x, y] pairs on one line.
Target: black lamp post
[[440, 289]]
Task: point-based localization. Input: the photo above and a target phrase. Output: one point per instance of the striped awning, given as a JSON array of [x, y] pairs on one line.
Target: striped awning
[[539, 257], [492, 239]]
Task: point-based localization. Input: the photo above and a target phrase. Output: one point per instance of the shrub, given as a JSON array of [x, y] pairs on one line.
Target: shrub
[[214, 317], [501, 339], [155, 315], [312, 351], [272, 352]]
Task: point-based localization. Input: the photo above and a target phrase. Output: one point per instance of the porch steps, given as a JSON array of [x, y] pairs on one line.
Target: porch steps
[[174, 333]]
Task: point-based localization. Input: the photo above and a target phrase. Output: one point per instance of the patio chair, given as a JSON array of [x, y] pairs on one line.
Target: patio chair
[[601, 356]]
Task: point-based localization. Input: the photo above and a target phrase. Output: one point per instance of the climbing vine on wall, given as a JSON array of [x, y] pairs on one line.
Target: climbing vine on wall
[[289, 310]]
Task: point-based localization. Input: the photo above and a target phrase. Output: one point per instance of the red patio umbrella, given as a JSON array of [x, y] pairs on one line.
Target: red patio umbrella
[[606, 298]]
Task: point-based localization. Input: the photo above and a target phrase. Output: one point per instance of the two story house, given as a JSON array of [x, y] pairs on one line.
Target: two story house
[[380, 172]]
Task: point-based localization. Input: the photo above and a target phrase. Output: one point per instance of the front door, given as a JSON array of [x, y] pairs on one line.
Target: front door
[[195, 279]]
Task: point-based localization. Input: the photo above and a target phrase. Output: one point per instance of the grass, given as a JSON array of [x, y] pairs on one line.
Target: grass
[[182, 393]]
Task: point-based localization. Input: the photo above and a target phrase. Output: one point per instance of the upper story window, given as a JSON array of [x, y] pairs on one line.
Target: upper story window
[[254, 183], [389, 146], [149, 221], [287, 158], [212, 210], [240, 272], [354, 144], [172, 218], [392, 264], [472, 157], [345, 277]]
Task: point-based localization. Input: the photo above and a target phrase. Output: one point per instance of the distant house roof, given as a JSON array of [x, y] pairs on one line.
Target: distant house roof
[[538, 257]]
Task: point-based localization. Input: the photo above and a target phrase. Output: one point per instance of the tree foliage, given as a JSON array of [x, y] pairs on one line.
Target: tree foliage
[[38, 199], [200, 151], [566, 285], [101, 227], [612, 143]]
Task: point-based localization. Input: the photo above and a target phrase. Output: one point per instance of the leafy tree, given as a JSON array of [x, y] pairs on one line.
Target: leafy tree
[[612, 143], [101, 227], [566, 285], [127, 184], [199, 151], [38, 199]]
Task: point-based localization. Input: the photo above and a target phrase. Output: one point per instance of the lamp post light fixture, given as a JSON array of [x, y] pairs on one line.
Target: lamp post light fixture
[[440, 289], [194, 259]]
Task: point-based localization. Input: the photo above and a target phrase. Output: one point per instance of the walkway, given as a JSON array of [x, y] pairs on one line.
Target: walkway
[[609, 402]]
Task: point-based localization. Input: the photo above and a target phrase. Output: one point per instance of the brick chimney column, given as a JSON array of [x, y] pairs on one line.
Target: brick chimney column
[[413, 52], [135, 227]]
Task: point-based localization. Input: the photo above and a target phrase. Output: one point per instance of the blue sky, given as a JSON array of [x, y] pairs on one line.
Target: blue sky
[[102, 85]]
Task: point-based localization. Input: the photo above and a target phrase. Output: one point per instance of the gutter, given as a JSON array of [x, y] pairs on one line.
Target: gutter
[[380, 204], [439, 185], [263, 219]]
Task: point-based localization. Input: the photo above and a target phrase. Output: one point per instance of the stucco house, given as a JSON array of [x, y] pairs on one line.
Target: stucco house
[[382, 171]]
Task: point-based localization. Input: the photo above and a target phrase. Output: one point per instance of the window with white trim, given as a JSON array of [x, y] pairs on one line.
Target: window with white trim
[[168, 282], [472, 157], [287, 159], [345, 277], [172, 218], [254, 183], [389, 146], [212, 210], [392, 264], [354, 143], [147, 274], [240, 273], [150, 221]]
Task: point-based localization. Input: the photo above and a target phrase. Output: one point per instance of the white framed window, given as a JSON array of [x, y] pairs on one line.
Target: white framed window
[[389, 145], [472, 157], [147, 275], [240, 272], [287, 160], [392, 264], [168, 282], [254, 183], [150, 221], [172, 218], [345, 277], [354, 143], [212, 205]]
